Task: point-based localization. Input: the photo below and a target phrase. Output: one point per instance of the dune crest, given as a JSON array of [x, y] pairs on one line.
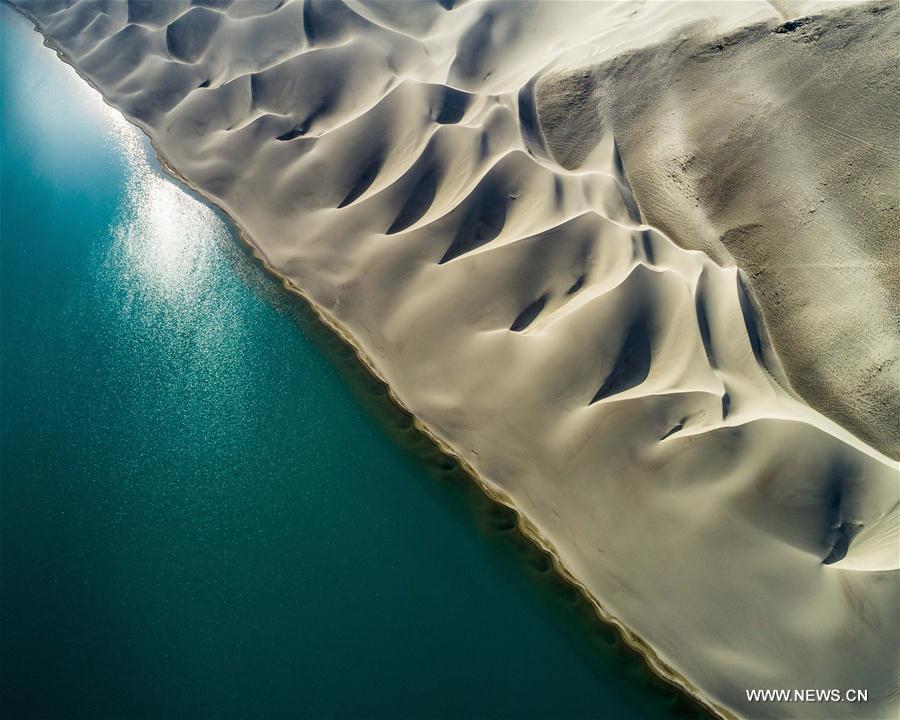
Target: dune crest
[[775, 149], [399, 165]]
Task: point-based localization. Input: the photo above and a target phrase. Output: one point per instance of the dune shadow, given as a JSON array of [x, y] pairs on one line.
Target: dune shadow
[[632, 365], [483, 219], [529, 314]]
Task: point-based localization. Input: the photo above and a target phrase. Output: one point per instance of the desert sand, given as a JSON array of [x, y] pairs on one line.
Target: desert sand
[[618, 258], [777, 152]]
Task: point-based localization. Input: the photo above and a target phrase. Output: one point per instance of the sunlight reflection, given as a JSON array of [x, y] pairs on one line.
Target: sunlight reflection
[[163, 234]]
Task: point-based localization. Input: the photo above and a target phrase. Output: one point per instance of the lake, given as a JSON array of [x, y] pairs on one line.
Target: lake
[[208, 509]]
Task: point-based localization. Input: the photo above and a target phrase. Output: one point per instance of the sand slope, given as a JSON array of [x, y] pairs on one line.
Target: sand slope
[[511, 277], [778, 151]]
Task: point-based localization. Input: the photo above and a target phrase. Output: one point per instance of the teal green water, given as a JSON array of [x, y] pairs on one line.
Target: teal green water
[[199, 517]]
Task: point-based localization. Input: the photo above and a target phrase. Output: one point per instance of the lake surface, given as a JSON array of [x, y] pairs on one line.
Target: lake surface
[[200, 516]]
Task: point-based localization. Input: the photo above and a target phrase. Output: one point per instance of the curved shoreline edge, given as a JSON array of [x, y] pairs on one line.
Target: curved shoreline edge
[[523, 524]]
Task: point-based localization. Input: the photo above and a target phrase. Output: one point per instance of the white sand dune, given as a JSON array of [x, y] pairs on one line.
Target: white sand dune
[[780, 152], [445, 184]]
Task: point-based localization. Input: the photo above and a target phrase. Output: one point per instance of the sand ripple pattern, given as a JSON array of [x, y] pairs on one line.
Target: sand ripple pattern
[[616, 389]]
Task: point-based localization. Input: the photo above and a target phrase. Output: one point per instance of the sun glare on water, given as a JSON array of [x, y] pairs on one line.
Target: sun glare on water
[[173, 274], [163, 235]]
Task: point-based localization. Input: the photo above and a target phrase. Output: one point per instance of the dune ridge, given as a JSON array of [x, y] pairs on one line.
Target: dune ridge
[[618, 390], [776, 150]]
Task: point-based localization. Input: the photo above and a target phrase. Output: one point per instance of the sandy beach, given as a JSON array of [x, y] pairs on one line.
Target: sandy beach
[[633, 264]]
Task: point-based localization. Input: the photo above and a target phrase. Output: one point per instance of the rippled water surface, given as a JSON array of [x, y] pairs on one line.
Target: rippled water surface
[[198, 517]]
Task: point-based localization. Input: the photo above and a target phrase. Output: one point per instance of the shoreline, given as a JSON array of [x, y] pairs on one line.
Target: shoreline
[[523, 525]]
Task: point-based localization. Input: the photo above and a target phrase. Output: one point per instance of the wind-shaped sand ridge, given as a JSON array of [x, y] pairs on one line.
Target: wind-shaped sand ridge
[[394, 162]]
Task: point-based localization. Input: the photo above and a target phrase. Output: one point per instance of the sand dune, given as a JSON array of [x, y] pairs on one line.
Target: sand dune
[[483, 198], [777, 151]]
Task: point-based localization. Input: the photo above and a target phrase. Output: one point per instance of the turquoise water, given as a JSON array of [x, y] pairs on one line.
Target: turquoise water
[[200, 515]]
